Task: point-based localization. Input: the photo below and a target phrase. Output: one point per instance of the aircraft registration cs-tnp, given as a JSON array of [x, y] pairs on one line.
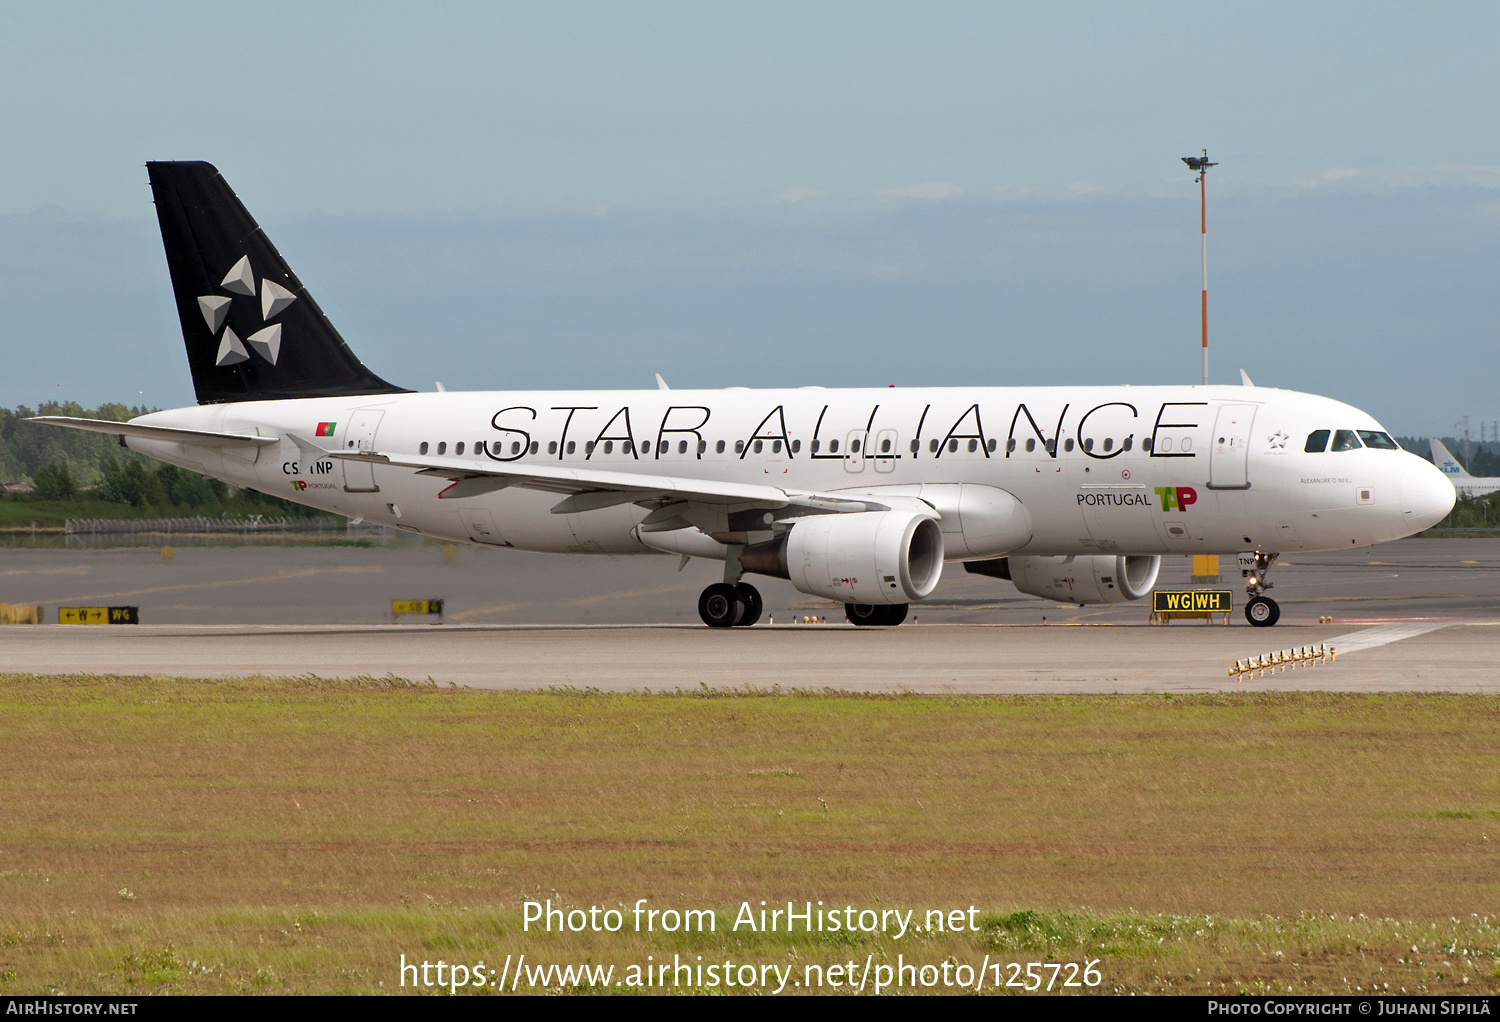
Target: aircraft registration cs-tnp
[[861, 496]]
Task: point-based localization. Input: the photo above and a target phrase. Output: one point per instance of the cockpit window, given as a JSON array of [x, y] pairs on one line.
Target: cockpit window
[[1380, 441], [1317, 442], [1344, 440]]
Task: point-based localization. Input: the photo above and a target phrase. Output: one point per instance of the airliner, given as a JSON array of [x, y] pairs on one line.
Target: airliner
[[1469, 486], [861, 496]]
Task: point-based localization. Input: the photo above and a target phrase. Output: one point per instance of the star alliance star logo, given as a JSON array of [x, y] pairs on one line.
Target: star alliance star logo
[[1278, 440], [265, 342]]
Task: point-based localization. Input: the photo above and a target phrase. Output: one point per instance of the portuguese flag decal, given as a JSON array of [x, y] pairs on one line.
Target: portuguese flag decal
[[326, 428]]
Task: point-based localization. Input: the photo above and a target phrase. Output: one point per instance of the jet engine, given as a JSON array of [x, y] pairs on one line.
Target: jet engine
[[1092, 579], [869, 557]]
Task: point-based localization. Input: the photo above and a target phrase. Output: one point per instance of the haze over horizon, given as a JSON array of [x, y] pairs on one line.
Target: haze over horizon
[[501, 196]]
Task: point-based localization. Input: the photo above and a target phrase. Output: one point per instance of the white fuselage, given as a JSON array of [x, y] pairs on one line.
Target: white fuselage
[[1137, 470]]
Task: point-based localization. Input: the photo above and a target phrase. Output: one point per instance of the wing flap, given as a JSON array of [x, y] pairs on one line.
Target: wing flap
[[591, 488]]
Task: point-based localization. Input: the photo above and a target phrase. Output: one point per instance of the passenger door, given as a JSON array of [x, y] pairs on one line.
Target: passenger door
[[359, 476], [1229, 448]]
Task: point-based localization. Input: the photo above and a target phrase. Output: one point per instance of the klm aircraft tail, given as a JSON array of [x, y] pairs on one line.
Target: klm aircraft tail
[[1447, 462], [253, 332]]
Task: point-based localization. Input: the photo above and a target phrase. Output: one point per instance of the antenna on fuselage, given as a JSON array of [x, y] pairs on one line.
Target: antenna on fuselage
[[1200, 165]]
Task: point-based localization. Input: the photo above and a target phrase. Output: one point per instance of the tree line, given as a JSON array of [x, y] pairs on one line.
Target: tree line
[[71, 466]]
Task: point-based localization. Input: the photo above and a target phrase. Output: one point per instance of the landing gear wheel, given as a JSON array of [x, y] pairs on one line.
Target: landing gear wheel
[[1262, 612], [720, 605], [751, 602], [888, 614]]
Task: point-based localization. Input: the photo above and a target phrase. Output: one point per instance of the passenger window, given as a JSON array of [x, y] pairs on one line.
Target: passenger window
[[973, 446], [759, 446], [551, 446], [916, 446], [952, 446], [1088, 445], [1109, 444], [458, 448], [1052, 447], [609, 447], [682, 447], [796, 446], [833, 447], [1030, 445], [1344, 440], [535, 447], [1146, 445], [1129, 443], [588, 448], [702, 445], [1068, 444], [515, 447], [991, 446], [739, 447], [854, 447], [885, 446], [626, 447], [932, 445], [719, 447], [815, 445], [442, 447], [572, 446], [775, 446], [1379, 441], [423, 448]]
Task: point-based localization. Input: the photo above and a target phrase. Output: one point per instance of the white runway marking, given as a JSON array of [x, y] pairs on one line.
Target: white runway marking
[[1380, 635]]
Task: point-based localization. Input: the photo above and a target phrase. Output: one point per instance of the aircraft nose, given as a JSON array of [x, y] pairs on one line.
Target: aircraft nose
[[1426, 497]]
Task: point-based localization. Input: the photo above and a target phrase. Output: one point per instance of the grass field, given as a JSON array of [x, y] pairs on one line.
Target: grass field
[[261, 835]]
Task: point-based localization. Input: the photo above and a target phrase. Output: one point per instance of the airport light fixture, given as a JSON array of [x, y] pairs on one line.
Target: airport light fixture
[[1199, 165]]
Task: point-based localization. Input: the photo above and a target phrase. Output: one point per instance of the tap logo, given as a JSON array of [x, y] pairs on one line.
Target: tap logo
[[298, 484], [266, 342], [1176, 498]]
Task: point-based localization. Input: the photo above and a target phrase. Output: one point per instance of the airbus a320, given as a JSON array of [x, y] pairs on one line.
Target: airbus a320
[[860, 496]]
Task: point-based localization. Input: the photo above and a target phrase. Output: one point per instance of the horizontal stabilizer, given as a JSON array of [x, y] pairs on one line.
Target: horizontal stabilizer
[[167, 434]]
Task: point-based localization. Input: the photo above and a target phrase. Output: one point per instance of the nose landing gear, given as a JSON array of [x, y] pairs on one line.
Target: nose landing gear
[[1261, 610]]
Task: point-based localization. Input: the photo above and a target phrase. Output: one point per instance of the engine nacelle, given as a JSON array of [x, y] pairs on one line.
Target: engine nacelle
[[869, 557], [1092, 579]]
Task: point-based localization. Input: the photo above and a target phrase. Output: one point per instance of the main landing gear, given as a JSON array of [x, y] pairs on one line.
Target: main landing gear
[[726, 605], [1261, 610], [875, 614]]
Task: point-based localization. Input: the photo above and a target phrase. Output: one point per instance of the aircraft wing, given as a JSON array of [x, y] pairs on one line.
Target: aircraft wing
[[196, 437], [676, 499]]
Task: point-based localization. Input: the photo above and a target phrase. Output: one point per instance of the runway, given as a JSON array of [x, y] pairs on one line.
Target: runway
[[1414, 615]]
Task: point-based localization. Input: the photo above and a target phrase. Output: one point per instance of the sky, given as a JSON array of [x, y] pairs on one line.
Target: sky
[[558, 195]]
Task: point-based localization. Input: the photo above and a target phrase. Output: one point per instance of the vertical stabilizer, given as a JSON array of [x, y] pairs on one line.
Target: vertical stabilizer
[[253, 332], [1447, 462]]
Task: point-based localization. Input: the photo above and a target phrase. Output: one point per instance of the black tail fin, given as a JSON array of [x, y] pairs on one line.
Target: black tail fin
[[253, 333]]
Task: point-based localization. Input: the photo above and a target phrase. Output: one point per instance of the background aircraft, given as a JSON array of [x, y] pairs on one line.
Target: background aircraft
[[1469, 486]]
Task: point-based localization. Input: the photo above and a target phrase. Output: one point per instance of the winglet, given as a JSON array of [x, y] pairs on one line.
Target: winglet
[[661, 384], [1245, 379]]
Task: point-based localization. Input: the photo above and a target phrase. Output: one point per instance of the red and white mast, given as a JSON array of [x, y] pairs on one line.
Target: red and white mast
[[1201, 165]]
